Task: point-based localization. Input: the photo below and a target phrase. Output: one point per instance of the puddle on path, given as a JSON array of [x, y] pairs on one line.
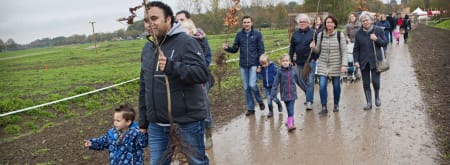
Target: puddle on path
[[396, 133]]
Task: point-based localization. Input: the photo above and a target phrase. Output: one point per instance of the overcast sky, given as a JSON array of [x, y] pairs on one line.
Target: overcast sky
[[26, 21]]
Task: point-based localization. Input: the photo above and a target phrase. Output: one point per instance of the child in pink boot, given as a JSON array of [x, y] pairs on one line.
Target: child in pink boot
[[286, 79]]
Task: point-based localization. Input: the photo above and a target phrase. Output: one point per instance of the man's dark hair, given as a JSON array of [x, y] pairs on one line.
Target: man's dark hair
[[332, 19], [245, 17], [127, 110], [166, 8], [186, 13]]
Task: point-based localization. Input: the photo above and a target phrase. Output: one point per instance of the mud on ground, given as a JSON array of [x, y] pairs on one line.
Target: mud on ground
[[62, 144], [430, 51]]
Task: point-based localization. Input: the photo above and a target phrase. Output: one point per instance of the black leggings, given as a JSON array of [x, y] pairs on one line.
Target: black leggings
[[366, 73], [405, 36]]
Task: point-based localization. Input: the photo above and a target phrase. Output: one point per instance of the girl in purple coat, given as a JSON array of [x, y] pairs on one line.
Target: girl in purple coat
[[124, 141], [286, 79]]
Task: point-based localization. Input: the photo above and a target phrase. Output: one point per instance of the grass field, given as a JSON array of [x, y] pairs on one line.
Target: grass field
[[443, 25], [37, 76]]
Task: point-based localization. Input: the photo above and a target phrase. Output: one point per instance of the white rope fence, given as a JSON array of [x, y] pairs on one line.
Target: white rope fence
[[67, 98], [98, 90]]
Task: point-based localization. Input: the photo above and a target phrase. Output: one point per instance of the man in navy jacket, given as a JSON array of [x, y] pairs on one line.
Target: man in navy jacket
[[300, 46], [251, 46]]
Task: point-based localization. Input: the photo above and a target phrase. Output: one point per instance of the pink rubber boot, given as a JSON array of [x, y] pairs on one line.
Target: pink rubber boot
[[290, 124]]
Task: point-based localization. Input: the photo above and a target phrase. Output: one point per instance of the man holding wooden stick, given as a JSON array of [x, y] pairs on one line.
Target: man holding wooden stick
[[300, 47]]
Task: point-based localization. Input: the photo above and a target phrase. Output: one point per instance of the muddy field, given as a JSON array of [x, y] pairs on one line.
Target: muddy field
[[430, 48], [62, 144]]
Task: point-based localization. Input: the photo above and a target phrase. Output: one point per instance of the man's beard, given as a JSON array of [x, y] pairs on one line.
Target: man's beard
[[157, 34]]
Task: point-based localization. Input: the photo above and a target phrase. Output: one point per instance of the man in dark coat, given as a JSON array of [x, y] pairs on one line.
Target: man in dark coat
[[180, 59]]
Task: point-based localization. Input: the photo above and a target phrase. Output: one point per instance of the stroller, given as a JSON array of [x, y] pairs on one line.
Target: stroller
[[353, 73]]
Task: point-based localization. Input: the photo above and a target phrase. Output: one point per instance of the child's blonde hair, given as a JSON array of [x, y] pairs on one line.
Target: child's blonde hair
[[285, 56], [263, 58], [190, 26]]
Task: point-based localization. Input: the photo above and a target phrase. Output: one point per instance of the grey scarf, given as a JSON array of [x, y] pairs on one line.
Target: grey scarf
[[368, 30]]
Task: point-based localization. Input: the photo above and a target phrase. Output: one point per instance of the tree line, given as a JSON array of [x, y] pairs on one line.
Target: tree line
[[266, 14]]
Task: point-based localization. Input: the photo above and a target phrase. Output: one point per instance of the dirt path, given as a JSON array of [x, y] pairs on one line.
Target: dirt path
[[396, 133]]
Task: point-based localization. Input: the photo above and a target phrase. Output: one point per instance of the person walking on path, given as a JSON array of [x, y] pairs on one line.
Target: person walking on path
[[406, 25], [366, 39], [268, 72], [199, 34], [318, 24], [172, 55], [332, 61], [399, 21], [124, 141], [250, 43], [350, 29], [391, 19], [383, 24], [300, 48], [286, 79], [192, 30]]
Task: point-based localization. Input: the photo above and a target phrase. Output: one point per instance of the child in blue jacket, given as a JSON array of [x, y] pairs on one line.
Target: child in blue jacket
[[124, 141], [287, 79], [267, 72]]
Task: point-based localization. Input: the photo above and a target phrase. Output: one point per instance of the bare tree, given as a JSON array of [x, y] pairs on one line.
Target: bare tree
[[198, 4], [186, 5], [215, 5]]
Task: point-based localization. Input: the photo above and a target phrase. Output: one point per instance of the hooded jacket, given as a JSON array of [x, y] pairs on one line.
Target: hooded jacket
[[286, 78], [251, 47], [126, 150], [200, 36], [186, 71], [268, 74]]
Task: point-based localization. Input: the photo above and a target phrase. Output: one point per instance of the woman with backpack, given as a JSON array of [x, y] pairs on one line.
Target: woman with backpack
[[332, 61]]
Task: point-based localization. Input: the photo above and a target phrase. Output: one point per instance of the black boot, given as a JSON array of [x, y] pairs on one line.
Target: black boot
[[368, 94], [336, 108], [280, 107], [324, 110], [377, 98], [270, 114], [262, 106]]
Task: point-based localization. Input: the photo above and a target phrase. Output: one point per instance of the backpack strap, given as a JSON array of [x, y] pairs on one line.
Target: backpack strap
[[339, 41], [338, 37]]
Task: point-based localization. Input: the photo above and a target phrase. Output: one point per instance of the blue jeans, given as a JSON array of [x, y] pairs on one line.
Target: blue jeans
[[390, 35], [191, 135], [323, 82], [250, 86], [268, 91], [309, 82], [290, 107]]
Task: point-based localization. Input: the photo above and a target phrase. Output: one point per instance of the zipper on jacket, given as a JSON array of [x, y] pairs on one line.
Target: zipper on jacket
[[153, 86], [248, 63], [267, 77], [289, 82], [329, 53]]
